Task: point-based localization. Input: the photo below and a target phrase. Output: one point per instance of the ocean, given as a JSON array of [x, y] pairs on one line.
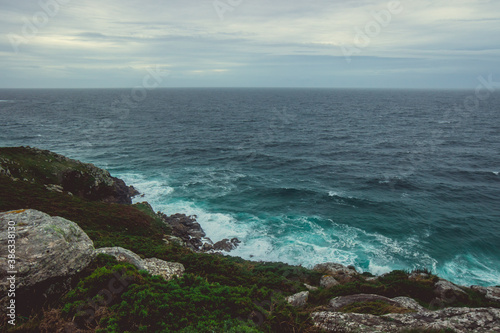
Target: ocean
[[378, 179]]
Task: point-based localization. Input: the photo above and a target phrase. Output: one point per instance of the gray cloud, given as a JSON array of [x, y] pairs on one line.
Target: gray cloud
[[257, 43]]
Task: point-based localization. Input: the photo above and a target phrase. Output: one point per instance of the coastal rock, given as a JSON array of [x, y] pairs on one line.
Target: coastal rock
[[186, 228], [190, 232], [299, 299], [168, 239], [419, 276], [207, 247], [409, 303], [59, 173], [49, 250], [123, 255], [226, 244], [447, 292], [490, 293], [154, 266], [461, 320], [406, 303], [166, 270], [340, 272], [328, 281]]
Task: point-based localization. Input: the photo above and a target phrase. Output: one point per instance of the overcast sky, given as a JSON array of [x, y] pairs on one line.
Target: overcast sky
[[249, 43]]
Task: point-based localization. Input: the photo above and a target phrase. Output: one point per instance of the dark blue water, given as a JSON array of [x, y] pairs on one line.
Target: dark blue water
[[378, 179]]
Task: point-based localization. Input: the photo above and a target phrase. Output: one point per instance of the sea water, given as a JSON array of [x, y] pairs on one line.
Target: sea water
[[378, 179]]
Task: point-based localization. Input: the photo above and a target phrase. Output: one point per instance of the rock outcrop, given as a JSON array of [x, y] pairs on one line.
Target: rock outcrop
[[226, 244], [328, 281], [340, 272], [123, 255], [298, 299], [166, 270], [447, 292], [187, 231], [490, 293], [461, 320], [186, 228], [154, 266], [47, 250], [59, 173], [403, 303]]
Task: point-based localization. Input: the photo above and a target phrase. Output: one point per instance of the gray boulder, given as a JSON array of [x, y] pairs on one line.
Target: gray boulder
[[166, 270], [409, 303], [340, 272], [406, 303], [47, 249], [461, 320], [298, 299], [154, 266], [328, 281], [490, 293], [226, 244], [447, 292], [123, 255]]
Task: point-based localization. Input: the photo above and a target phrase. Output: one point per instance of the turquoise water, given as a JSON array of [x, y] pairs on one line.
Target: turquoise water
[[377, 179]]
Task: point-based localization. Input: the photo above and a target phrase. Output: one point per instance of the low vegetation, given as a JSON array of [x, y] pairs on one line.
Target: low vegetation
[[216, 294]]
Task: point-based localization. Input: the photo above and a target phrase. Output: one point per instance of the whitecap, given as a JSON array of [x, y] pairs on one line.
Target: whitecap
[[495, 173], [467, 269], [153, 190]]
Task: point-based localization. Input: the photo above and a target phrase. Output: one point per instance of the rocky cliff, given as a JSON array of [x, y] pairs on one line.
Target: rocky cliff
[[59, 173], [153, 272]]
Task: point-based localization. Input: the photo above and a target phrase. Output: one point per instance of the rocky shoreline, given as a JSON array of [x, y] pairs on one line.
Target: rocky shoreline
[[54, 252]]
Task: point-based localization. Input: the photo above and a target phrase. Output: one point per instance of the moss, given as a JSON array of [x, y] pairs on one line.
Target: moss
[[42, 165], [377, 308], [106, 224]]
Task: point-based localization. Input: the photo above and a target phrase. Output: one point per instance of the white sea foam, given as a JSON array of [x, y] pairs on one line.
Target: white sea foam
[[217, 226], [302, 241], [496, 173], [158, 193], [378, 269], [466, 269], [153, 190]]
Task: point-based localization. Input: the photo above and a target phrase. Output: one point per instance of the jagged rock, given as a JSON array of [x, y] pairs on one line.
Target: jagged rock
[[298, 299], [328, 281], [166, 270], [338, 303], [490, 293], [168, 239], [226, 244], [418, 276], [132, 191], [154, 266], [461, 320], [447, 292], [340, 272], [56, 171], [49, 250], [207, 247], [123, 255], [186, 228]]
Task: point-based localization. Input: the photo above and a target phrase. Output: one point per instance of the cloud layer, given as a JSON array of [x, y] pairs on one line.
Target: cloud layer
[[243, 43]]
